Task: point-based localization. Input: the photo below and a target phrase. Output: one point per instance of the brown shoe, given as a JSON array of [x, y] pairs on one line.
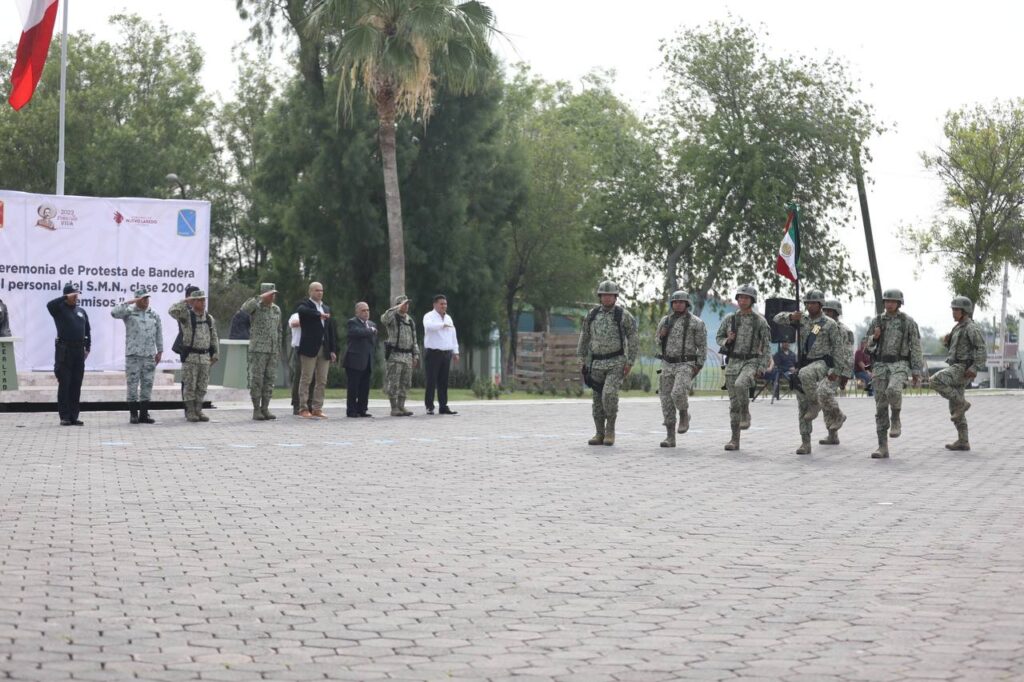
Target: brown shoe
[[305, 414], [319, 414]]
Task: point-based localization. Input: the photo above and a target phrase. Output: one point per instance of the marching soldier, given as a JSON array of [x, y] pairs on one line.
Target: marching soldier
[[965, 356], [895, 347], [823, 359], [609, 338], [684, 344], [827, 398], [745, 340], [200, 346], [143, 348], [401, 354], [264, 348]]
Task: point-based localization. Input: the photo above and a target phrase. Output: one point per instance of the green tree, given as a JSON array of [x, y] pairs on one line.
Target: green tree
[[978, 229], [395, 51]]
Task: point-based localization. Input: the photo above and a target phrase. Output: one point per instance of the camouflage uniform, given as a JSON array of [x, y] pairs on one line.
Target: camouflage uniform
[[5, 320], [684, 350], [751, 354], [834, 417], [264, 350], [607, 349], [203, 349], [143, 340], [402, 353], [824, 352], [965, 351], [897, 356]]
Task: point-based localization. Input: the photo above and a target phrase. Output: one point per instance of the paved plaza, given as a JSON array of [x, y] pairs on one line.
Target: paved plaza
[[497, 545]]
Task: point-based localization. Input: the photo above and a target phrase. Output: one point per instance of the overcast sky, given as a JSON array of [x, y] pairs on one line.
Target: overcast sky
[[913, 64]]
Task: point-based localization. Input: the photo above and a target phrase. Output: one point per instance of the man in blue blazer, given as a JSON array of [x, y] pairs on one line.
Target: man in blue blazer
[[362, 340]]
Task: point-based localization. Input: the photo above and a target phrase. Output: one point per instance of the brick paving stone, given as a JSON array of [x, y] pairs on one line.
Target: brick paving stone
[[353, 550]]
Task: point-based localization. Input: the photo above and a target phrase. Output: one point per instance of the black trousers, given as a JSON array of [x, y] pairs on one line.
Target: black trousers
[[358, 391], [436, 365], [69, 367]]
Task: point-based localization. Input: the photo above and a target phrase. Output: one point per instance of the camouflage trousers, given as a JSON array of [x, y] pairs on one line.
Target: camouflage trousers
[[610, 374], [195, 378], [740, 377], [950, 384], [397, 376], [674, 389], [262, 375], [139, 371], [818, 393], [889, 380]]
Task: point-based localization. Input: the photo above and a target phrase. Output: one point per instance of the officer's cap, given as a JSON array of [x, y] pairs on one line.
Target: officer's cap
[[70, 288], [400, 299], [197, 295], [141, 293], [267, 287]]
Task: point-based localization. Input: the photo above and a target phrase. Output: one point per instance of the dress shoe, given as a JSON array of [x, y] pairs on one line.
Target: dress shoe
[[78, 422], [445, 410], [366, 414], [430, 410], [66, 422]]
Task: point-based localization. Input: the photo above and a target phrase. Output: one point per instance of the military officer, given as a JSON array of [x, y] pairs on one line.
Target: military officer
[[894, 343], [201, 349], [264, 349], [71, 348], [965, 356], [834, 417], [684, 345], [746, 339], [608, 347], [823, 359], [143, 348], [401, 352]]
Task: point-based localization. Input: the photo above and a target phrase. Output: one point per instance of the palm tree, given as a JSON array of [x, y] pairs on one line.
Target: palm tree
[[395, 52]]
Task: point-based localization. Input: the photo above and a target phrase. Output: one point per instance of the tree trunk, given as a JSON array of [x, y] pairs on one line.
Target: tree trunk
[[393, 199], [512, 316]]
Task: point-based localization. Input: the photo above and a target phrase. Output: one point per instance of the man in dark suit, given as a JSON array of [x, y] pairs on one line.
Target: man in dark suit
[[318, 348], [362, 340]]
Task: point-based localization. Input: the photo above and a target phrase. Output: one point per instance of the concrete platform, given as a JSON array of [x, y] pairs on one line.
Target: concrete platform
[[38, 389]]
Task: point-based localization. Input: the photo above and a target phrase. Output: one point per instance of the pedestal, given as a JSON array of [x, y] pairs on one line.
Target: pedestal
[[8, 369], [232, 369]]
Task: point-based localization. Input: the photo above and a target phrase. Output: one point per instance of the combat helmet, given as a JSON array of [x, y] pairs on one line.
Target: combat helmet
[[608, 287], [680, 295], [833, 304], [815, 296], [893, 295], [963, 303], [747, 290]]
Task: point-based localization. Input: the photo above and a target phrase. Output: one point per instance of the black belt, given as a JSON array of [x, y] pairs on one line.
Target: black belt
[[895, 358], [432, 350], [397, 349], [69, 344], [743, 356], [607, 356], [672, 359], [198, 350]]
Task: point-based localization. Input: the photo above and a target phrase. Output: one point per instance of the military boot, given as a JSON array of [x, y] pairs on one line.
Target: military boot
[[895, 427], [609, 431], [265, 408], [257, 414], [958, 411], [961, 442], [684, 421], [144, 417], [734, 444], [598, 438], [199, 411], [395, 412], [745, 418], [883, 447], [805, 445], [190, 411], [833, 438], [670, 440], [401, 407], [133, 412]]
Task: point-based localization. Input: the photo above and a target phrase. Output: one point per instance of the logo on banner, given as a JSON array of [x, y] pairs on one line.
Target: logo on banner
[[1, 214], [120, 218], [186, 223], [47, 212]]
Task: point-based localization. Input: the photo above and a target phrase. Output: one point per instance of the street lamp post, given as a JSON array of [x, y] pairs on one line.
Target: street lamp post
[[173, 179]]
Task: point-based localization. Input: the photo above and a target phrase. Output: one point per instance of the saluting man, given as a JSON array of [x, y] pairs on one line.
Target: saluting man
[[684, 345], [73, 343], [143, 348], [401, 353], [201, 350], [264, 349]]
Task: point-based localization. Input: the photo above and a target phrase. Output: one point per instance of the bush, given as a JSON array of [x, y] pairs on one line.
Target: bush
[[486, 389]]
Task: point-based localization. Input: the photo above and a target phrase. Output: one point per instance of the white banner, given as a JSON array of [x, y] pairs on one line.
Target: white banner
[[108, 248]]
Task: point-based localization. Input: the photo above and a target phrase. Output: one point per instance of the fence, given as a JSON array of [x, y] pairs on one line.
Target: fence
[[546, 361]]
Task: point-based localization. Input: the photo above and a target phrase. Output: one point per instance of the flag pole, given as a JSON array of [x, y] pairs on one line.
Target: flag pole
[[63, 95]]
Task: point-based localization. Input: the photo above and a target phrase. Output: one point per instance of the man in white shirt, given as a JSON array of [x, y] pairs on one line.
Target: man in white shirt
[[441, 347], [295, 367]]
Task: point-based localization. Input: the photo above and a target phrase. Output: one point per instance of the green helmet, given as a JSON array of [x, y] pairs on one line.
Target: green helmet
[[608, 287], [747, 290], [892, 295], [814, 296], [833, 304], [680, 296], [964, 304]]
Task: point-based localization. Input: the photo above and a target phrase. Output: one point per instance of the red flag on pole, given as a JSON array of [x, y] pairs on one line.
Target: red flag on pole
[[37, 18]]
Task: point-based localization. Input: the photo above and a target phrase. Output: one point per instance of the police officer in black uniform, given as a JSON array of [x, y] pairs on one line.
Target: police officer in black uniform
[[74, 339]]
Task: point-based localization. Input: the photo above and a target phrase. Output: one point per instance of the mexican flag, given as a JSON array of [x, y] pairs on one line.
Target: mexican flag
[[37, 18], [788, 260]]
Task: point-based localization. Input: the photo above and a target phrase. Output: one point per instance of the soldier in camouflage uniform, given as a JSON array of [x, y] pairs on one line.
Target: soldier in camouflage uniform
[[834, 417], [608, 346], [746, 338], [965, 356], [684, 345], [202, 349], [402, 354], [894, 343], [264, 349], [143, 348], [823, 359]]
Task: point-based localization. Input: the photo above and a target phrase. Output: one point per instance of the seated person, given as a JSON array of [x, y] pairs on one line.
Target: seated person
[[783, 365]]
